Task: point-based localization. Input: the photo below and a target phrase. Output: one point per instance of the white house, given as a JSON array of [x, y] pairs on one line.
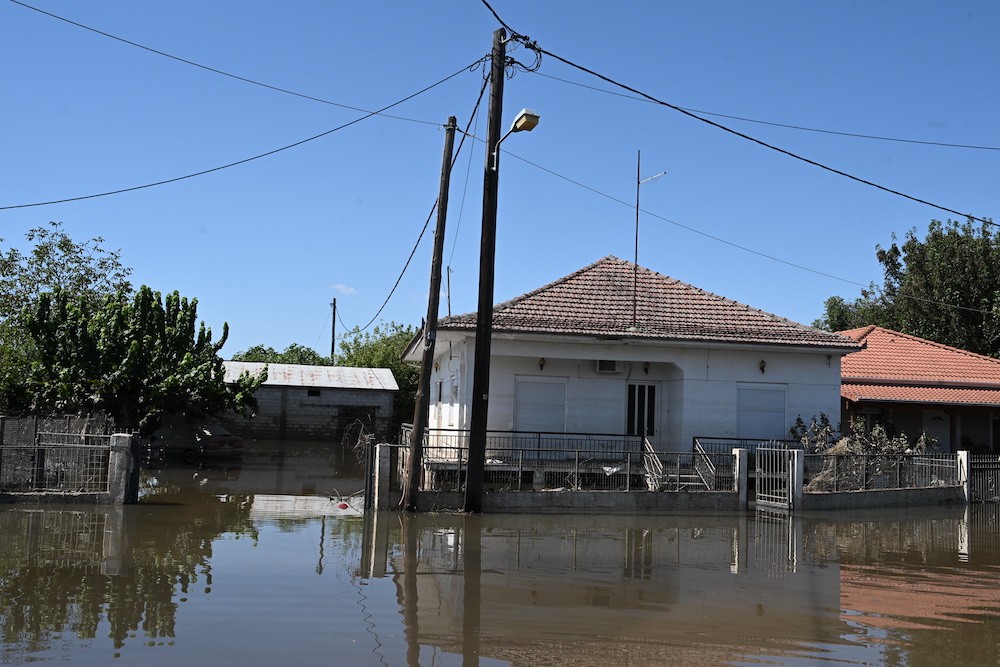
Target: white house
[[619, 349]]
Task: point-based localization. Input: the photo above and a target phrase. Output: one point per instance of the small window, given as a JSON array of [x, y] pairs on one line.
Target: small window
[[314, 393]]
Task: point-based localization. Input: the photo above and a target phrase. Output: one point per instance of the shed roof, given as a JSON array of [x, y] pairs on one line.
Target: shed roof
[[898, 367], [331, 377], [598, 300]]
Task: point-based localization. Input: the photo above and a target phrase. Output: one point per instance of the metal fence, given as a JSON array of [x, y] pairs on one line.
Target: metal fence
[[984, 476], [534, 445], [774, 481], [65, 462], [520, 469], [727, 445], [867, 472]]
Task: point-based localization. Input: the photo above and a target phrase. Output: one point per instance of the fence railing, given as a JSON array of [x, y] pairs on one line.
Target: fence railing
[[984, 473], [517, 468], [65, 462], [441, 442], [867, 472], [727, 445]]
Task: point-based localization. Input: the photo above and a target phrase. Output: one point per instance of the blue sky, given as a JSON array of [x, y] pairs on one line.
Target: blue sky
[[266, 245]]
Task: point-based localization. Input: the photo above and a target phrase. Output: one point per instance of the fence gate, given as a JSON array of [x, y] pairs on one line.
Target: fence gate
[[774, 472], [984, 476]]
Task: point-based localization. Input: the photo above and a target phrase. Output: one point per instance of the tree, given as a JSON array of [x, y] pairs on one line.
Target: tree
[[944, 287], [383, 347], [55, 261], [58, 262], [137, 358], [293, 354]]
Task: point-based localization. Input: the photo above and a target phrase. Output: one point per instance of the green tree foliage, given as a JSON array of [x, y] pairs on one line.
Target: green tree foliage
[[944, 287], [55, 261], [136, 358], [293, 354], [383, 347]]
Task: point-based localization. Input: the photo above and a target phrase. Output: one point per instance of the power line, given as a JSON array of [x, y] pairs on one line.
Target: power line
[[219, 71], [530, 44], [430, 215], [732, 244], [468, 171], [789, 126], [245, 160]]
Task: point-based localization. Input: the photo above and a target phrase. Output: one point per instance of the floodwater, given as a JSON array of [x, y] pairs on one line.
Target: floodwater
[[266, 561]]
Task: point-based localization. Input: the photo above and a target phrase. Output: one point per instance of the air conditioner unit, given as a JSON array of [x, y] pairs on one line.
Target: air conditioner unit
[[607, 366]]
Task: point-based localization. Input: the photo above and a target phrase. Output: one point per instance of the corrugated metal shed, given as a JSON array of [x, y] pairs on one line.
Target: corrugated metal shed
[[333, 377]]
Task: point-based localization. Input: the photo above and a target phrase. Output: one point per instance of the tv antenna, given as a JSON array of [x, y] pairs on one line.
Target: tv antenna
[[639, 180]]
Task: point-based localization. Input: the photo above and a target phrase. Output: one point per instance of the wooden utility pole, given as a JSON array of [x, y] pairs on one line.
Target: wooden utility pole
[[411, 479], [487, 256], [333, 333]]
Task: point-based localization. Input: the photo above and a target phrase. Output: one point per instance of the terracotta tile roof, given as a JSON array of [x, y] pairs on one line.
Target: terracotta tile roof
[[597, 300], [914, 394], [898, 367]]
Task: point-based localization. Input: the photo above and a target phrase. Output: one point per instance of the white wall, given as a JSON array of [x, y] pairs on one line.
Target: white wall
[[697, 388]]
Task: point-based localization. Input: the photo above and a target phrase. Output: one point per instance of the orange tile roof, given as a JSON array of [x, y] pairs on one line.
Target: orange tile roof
[[598, 300], [912, 394], [897, 367]]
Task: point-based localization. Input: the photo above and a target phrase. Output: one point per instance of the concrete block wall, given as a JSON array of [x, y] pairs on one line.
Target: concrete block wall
[[292, 413]]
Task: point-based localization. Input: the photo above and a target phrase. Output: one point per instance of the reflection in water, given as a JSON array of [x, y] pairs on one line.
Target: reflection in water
[[702, 590], [68, 571], [590, 590], [257, 564]]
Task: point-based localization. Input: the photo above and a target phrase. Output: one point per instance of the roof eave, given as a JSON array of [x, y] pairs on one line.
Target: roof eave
[[625, 339]]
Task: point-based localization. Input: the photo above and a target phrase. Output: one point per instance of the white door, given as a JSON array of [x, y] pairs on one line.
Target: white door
[[761, 413]]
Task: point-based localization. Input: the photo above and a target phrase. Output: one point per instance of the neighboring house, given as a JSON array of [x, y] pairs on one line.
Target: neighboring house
[[588, 354], [315, 402], [912, 385]]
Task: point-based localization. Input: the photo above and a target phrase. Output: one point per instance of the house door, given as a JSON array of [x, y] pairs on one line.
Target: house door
[[938, 426], [760, 412], [641, 412]]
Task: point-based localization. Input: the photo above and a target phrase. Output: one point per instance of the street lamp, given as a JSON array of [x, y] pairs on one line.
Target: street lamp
[[526, 121]]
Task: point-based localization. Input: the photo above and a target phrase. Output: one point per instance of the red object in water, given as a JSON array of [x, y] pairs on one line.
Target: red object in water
[[342, 506]]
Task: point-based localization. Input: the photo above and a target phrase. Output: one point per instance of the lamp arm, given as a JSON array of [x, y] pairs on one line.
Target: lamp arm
[[496, 150]]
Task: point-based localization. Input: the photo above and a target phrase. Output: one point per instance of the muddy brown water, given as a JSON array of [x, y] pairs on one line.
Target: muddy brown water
[[266, 561]]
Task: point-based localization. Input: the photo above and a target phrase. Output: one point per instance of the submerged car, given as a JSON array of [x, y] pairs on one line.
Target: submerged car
[[194, 442]]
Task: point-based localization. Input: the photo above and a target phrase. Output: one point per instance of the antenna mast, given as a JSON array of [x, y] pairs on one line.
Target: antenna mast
[[639, 180]]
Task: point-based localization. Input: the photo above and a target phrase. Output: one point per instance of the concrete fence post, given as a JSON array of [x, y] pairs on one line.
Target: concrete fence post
[[382, 476], [741, 476], [796, 475], [964, 478], [123, 469]]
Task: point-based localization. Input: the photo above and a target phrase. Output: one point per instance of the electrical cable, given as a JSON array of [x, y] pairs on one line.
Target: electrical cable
[[789, 126], [534, 46], [218, 71], [468, 172], [245, 160], [732, 244], [344, 326], [454, 159]]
